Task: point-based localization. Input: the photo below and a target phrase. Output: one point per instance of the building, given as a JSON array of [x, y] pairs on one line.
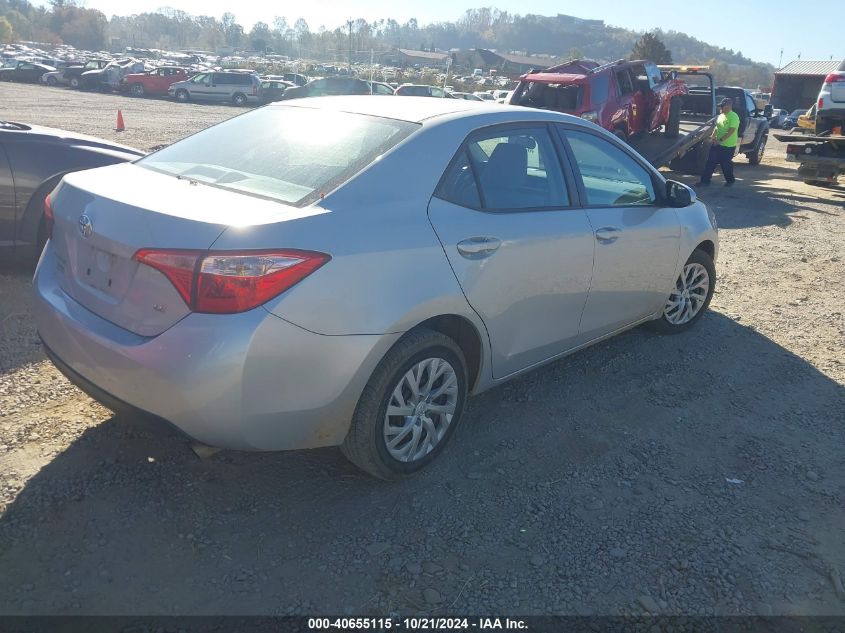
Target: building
[[406, 57], [798, 83], [503, 63]]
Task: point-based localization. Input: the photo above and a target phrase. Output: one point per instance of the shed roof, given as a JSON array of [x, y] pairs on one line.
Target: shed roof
[[809, 67]]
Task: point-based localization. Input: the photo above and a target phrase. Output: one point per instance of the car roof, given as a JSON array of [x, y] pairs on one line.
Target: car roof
[[416, 109]]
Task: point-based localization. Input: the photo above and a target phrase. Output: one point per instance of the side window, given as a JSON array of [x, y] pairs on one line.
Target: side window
[[749, 103], [611, 177], [517, 169], [437, 92], [458, 185], [624, 79], [198, 79]]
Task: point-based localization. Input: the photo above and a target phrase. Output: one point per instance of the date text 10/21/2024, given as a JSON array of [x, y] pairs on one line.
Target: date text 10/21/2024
[[416, 624]]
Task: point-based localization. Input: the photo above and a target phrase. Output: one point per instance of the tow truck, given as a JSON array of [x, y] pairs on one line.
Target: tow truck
[[820, 158]]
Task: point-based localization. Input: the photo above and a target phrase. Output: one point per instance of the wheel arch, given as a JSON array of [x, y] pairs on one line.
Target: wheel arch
[[466, 335], [709, 247]]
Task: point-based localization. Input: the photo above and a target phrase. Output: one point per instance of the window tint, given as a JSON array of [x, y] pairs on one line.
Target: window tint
[[611, 177], [288, 154], [459, 186], [749, 102], [518, 169]]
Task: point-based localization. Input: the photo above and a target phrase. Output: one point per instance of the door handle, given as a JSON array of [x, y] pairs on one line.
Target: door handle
[[479, 247], [608, 234]]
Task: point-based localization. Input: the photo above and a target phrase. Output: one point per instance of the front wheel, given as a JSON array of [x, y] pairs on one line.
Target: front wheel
[[182, 96], [74, 82], [52, 81], [137, 90], [755, 157], [691, 295], [410, 407]]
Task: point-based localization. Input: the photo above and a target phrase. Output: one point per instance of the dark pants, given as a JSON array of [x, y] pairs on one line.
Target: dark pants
[[723, 156]]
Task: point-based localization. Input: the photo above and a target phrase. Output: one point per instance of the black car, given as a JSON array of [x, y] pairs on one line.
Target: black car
[[273, 89], [791, 120], [33, 160], [329, 86], [777, 118], [29, 72]]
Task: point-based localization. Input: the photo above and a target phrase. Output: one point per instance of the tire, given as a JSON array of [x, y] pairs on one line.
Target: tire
[[137, 90], [52, 82], [182, 96], [366, 444], [239, 99], [699, 262], [75, 83], [673, 123], [756, 156]]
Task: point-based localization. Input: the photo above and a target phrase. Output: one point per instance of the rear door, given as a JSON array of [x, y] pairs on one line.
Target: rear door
[[631, 101], [521, 249], [637, 240]]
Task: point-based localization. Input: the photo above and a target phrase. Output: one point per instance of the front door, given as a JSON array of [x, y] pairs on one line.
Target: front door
[[521, 251], [637, 241], [7, 201]]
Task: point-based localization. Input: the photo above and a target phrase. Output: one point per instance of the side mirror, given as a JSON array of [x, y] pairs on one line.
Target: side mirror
[[768, 111], [679, 195]]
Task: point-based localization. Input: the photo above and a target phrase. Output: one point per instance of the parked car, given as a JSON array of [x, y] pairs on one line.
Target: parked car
[[468, 96], [627, 98], [32, 161], [73, 74], [420, 90], [830, 105], [54, 77], [153, 82], [777, 118], [485, 96], [111, 75], [295, 78], [807, 121], [329, 86], [28, 72], [753, 125], [380, 88], [273, 90], [238, 88], [792, 118], [348, 270]]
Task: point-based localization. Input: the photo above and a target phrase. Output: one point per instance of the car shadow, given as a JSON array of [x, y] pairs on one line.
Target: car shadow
[[764, 195], [703, 469], [19, 342]]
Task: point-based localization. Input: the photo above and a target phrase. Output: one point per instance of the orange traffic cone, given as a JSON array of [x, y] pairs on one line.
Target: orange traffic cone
[[120, 125]]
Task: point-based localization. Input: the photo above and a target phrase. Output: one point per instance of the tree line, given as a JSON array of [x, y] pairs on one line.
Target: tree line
[[67, 21]]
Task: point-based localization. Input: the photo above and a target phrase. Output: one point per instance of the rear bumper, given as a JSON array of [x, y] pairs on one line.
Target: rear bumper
[[249, 381]]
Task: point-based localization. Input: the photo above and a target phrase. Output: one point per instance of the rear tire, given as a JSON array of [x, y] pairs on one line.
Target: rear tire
[[74, 83], [673, 124], [676, 316], [239, 99], [366, 445]]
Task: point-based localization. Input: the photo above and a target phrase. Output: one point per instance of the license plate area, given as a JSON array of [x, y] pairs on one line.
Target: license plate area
[[97, 269]]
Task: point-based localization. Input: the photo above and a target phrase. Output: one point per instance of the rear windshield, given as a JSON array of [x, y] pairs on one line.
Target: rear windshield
[[552, 96], [288, 154]]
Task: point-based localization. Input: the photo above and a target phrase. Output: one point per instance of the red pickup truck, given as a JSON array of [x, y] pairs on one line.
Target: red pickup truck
[[153, 82], [627, 98]]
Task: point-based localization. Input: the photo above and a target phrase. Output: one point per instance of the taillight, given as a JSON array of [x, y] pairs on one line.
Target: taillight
[[49, 217], [225, 282], [834, 77], [821, 103]]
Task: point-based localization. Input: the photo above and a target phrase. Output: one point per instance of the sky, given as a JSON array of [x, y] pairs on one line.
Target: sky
[[760, 29]]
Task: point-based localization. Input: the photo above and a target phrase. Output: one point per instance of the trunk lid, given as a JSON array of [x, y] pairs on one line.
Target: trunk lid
[[104, 216]]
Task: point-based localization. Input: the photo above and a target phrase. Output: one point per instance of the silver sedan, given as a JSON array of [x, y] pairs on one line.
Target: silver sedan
[[348, 270]]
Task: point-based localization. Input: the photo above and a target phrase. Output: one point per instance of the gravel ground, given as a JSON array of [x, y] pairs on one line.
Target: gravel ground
[[697, 474]]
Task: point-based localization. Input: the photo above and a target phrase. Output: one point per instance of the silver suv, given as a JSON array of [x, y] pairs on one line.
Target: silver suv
[[831, 102], [239, 88]]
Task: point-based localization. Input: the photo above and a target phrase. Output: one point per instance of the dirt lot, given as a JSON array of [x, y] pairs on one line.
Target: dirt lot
[[599, 484]]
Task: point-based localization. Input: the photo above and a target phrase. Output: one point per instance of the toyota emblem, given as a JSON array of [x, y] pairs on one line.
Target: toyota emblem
[[86, 227]]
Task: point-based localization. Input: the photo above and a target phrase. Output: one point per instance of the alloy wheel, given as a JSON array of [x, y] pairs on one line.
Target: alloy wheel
[[420, 409], [688, 295]]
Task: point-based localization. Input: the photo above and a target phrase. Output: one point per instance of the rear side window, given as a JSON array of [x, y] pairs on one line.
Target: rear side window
[[510, 169], [599, 89], [611, 177], [288, 154]]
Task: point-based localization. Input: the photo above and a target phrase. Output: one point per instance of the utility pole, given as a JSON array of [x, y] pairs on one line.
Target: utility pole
[[780, 60], [349, 24]]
